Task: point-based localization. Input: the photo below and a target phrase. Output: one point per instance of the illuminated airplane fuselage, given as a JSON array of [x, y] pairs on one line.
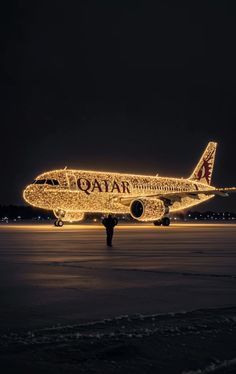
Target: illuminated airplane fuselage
[[71, 193]]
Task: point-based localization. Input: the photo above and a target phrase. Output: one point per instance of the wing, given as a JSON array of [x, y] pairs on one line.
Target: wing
[[171, 197]]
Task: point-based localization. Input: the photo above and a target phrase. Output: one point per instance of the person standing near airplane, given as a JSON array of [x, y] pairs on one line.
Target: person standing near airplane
[[109, 222]]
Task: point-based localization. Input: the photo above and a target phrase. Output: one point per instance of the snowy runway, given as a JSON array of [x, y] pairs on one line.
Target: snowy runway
[[58, 279]]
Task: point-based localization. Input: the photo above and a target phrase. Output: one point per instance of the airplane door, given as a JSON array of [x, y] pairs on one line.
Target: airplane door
[[71, 181]]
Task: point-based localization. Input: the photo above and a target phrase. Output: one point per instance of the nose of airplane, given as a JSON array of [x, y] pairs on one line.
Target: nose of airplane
[[36, 195], [28, 194], [33, 195]]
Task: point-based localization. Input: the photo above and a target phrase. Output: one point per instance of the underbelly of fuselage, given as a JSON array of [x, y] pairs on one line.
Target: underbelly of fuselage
[[75, 201]]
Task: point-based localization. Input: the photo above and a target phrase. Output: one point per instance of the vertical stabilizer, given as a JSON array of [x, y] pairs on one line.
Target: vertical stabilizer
[[203, 170]]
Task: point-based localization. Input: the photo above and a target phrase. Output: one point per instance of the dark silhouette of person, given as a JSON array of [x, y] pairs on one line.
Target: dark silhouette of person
[[109, 222]]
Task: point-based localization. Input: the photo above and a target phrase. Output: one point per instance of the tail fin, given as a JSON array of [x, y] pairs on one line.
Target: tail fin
[[203, 170]]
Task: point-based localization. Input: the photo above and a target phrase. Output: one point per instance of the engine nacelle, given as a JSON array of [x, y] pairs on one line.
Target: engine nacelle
[[69, 216], [147, 209]]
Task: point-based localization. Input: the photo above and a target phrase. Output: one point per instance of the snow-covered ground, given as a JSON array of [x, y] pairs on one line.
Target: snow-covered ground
[[132, 308]]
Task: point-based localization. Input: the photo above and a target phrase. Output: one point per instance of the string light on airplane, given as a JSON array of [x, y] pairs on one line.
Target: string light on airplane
[[74, 192], [71, 193]]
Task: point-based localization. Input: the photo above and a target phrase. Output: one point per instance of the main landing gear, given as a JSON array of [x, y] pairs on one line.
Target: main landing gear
[[58, 223], [165, 221]]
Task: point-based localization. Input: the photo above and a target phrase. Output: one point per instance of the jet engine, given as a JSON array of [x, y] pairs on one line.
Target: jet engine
[[147, 209]]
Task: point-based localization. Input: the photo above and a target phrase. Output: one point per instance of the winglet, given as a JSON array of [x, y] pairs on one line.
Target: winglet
[[203, 170]]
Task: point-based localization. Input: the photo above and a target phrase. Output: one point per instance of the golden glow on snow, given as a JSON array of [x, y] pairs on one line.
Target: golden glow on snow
[[133, 227]]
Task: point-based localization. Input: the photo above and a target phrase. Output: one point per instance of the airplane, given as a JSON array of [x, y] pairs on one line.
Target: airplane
[[72, 193]]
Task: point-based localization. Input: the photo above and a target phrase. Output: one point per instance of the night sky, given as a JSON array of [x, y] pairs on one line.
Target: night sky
[[122, 86]]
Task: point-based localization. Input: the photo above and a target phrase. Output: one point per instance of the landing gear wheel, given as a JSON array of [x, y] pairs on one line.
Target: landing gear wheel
[[165, 221], [157, 223], [58, 223]]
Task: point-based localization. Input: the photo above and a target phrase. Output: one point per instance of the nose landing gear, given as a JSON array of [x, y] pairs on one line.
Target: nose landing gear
[[60, 214], [165, 221], [58, 223]]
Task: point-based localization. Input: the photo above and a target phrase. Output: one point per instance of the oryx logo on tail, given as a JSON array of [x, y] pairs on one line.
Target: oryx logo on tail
[[204, 168]]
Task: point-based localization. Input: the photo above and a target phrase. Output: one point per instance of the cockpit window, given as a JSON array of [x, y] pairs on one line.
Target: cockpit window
[[51, 182], [39, 181]]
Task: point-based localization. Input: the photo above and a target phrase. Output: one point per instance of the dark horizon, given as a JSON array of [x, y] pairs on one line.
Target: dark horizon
[[135, 88]]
